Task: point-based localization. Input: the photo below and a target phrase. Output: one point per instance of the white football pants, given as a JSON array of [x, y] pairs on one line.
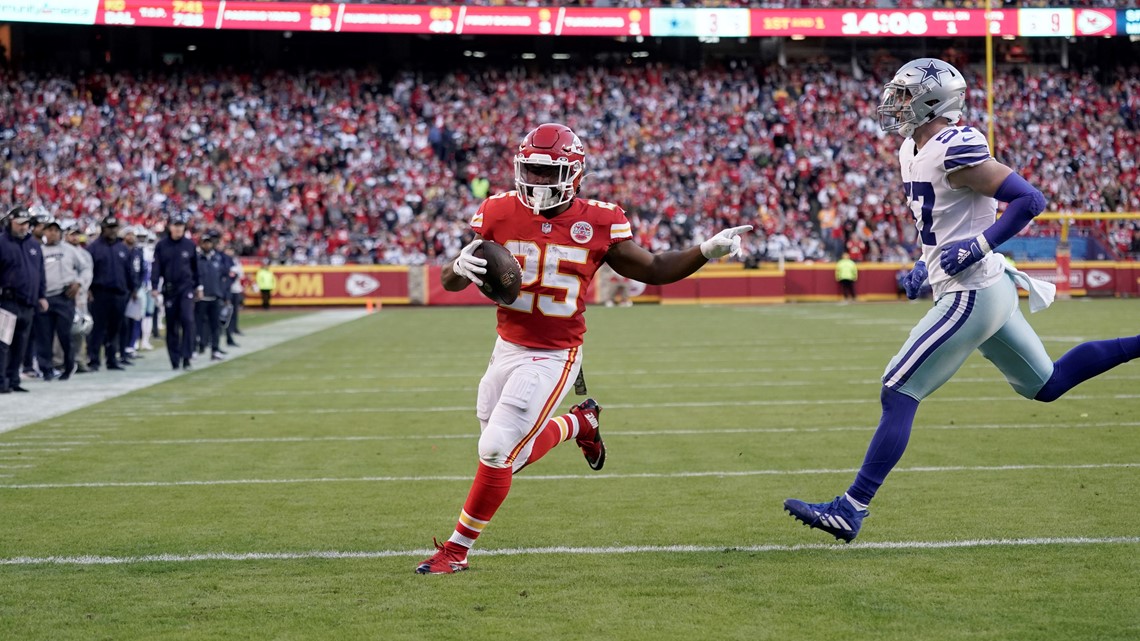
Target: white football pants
[[517, 395]]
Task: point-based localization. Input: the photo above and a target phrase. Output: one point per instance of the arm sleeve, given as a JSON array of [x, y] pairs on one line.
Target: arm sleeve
[[87, 268], [1025, 202], [480, 222], [620, 228]]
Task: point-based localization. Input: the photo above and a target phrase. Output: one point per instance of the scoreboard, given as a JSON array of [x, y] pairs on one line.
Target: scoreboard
[[461, 19]]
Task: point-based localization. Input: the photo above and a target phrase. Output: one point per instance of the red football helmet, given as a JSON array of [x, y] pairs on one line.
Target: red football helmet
[[549, 167]]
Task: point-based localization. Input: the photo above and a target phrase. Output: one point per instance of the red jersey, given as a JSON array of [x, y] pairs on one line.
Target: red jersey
[[558, 256]]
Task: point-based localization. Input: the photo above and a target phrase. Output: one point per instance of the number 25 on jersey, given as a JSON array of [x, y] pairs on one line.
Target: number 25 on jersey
[[543, 264]]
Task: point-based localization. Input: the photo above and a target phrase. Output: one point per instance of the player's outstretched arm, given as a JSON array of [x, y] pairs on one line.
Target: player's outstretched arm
[[992, 178], [465, 269], [632, 261]]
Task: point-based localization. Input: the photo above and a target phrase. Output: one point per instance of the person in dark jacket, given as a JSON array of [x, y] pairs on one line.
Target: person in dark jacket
[[175, 276], [40, 218], [112, 282], [21, 293], [128, 328], [213, 283]]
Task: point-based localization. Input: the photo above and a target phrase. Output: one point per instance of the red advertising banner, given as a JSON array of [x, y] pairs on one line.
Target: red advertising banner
[[339, 285], [505, 21], [276, 16], [601, 22], [842, 22], [397, 285], [396, 19]]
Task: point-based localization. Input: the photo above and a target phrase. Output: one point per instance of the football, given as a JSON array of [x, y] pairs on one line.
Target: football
[[503, 279]]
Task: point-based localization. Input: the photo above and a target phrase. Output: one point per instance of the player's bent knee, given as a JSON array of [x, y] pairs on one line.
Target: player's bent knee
[[1049, 391], [495, 446], [1047, 394]]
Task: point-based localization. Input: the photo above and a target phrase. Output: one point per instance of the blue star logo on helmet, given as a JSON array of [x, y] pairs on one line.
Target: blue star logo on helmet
[[932, 70]]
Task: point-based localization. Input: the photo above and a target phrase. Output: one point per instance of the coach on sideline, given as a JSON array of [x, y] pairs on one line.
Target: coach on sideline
[[176, 268], [21, 292], [63, 278]]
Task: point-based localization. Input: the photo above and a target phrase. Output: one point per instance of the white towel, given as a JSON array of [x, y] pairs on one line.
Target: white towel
[[1041, 293]]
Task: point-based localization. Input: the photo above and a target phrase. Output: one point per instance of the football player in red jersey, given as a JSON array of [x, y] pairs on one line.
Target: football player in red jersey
[[560, 241]]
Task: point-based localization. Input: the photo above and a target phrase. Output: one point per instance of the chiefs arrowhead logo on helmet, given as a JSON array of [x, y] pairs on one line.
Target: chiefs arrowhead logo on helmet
[[549, 167]]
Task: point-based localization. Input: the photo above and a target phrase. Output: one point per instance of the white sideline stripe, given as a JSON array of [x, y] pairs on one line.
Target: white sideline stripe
[[626, 549], [621, 406], [29, 438], [100, 386], [16, 467], [562, 477], [65, 431], [610, 433]]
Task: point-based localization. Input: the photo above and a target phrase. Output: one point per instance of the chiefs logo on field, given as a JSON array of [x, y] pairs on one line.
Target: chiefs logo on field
[[361, 285], [581, 232]]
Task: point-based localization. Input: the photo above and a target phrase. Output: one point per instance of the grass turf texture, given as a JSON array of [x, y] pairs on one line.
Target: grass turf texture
[[782, 400]]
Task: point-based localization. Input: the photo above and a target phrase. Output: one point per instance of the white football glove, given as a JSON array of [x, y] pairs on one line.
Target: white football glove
[[726, 243], [467, 265]]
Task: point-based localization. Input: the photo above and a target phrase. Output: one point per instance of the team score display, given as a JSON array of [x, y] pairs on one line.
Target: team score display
[[898, 23], [320, 17], [182, 6], [189, 20], [114, 5], [542, 265]]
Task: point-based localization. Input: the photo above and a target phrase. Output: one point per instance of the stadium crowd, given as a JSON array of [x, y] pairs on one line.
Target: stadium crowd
[[352, 166]]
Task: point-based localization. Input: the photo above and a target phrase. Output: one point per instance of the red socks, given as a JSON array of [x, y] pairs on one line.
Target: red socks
[[488, 491], [491, 484], [559, 429]]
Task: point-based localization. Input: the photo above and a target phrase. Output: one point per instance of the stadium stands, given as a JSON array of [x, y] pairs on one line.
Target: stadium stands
[[352, 166]]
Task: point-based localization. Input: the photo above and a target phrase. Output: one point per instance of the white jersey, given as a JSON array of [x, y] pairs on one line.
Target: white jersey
[[944, 214]]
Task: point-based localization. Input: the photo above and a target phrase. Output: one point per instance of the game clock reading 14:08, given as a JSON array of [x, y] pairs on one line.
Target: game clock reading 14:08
[[873, 23]]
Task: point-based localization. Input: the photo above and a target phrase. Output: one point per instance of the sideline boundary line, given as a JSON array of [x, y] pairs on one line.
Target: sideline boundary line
[[632, 549], [565, 477]]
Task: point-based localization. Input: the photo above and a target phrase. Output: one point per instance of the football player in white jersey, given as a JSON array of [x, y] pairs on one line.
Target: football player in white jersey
[[953, 184]]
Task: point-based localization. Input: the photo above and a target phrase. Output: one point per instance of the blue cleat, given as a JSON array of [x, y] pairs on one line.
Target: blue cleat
[[838, 518]]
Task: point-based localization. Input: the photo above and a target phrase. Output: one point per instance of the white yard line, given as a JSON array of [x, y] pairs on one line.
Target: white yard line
[[609, 433], [1011, 397], [564, 477], [588, 551], [88, 389]]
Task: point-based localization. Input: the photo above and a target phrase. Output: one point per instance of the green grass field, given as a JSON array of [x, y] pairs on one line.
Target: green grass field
[[324, 467]]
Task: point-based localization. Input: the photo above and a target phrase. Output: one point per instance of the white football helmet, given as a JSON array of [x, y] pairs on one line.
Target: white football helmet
[[922, 90], [82, 323]]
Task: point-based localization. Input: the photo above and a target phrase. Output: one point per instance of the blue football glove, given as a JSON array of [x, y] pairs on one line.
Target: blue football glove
[[913, 281], [956, 257]]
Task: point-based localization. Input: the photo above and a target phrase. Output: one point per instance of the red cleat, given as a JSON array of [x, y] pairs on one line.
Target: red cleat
[[449, 558], [592, 446]]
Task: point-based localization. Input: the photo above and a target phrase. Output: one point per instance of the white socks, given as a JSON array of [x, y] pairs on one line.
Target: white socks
[[855, 504]]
